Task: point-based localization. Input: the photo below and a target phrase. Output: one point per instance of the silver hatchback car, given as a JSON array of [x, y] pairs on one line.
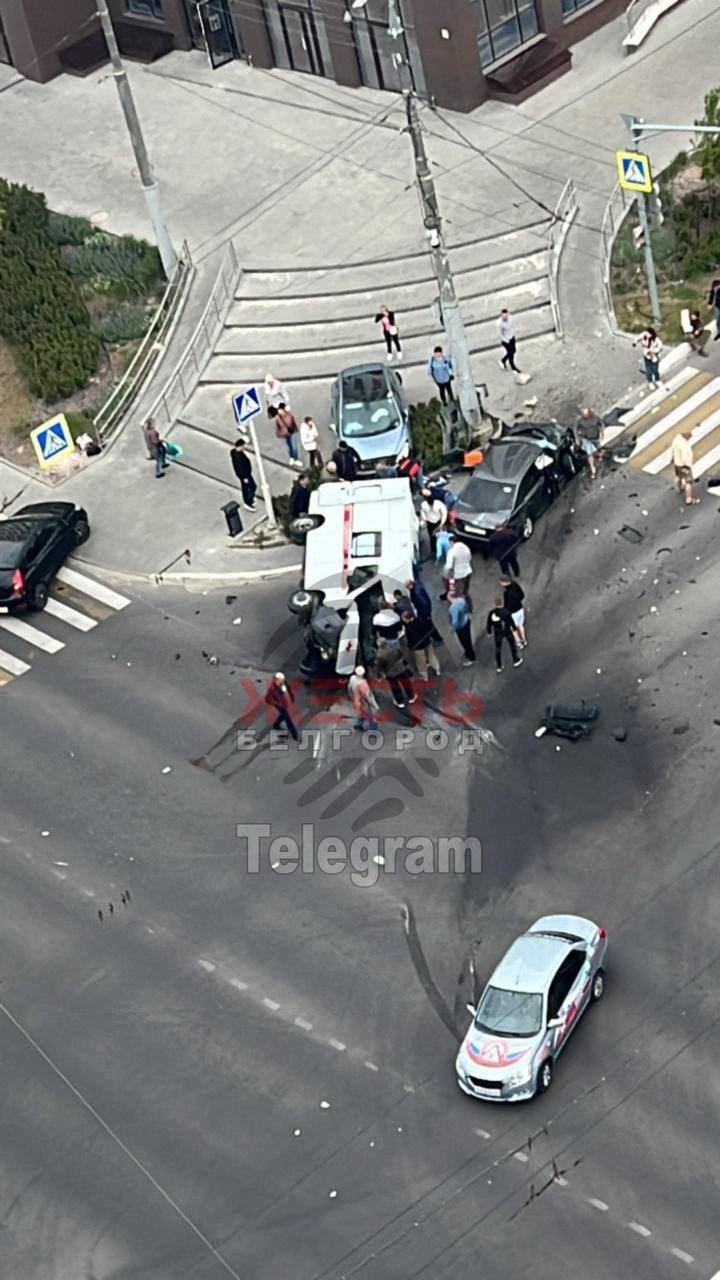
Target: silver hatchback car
[[533, 1001]]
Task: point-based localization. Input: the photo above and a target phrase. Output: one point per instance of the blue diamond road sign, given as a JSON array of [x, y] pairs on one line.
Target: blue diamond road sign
[[246, 404]]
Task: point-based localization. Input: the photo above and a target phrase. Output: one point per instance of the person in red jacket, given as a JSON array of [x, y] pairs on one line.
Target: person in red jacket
[[280, 697]]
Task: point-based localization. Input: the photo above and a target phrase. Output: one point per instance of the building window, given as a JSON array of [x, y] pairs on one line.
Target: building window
[[504, 25], [572, 6], [144, 8]]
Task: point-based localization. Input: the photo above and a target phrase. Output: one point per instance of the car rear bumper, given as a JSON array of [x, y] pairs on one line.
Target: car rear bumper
[[519, 1093]]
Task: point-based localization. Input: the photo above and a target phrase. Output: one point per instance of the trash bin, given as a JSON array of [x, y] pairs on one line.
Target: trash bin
[[231, 511]]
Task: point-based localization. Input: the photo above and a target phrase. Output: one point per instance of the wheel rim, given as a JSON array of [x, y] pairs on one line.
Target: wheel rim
[[527, 528], [598, 986], [546, 1075]]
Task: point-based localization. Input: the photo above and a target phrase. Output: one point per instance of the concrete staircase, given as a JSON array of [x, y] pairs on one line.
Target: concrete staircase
[[305, 324]]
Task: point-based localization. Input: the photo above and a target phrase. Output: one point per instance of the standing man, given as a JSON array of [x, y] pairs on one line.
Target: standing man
[[242, 467], [499, 626], [440, 369], [419, 640], [513, 597], [458, 569], [682, 456], [459, 616], [588, 433], [433, 514], [503, 543], [363, 700], [156, 445], [280, 697], [508, 340], [300, 497], [714, 300], [309, 437], [422, 604], [347, 461]]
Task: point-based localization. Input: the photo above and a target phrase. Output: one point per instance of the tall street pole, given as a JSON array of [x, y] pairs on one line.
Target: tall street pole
[[264, 486], [635, 130], [449, 306], [147, 178]]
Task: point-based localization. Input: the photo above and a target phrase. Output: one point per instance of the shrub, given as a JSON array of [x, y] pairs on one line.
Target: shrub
[[426, 432], [41, 312], [79, 422], [125, 323], [64, 229], [121, 267]]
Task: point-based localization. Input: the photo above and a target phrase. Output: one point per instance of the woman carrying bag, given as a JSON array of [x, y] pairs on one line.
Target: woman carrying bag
[[386, 319]]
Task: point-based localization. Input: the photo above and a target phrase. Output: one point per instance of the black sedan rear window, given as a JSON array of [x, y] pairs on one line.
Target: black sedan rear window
[[488, 495], [11, 554]]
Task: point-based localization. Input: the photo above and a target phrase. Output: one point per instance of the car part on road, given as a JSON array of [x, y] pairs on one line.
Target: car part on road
[[627, 532], [570, 720]]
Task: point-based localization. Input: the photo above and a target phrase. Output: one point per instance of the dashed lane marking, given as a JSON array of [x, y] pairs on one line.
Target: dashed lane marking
[[482, 1133], [371, 1066], [639, 1229], [303, 1024], [682, 1256], [337, 1044], [207, 966], [521, 1156], [271, 1004], [598, 1204], [240, 986]]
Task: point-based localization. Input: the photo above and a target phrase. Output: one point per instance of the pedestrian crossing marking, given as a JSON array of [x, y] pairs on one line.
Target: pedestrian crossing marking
[[91, 588], [77, 602], [693, 404], [32, 635], [73, 617], [11, 666]]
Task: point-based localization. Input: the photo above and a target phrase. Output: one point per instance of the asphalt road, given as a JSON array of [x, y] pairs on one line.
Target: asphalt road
[[250, 1074]]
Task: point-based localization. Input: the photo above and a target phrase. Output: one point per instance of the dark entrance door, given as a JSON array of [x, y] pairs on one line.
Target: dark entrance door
[[301, 40], [212, 30]]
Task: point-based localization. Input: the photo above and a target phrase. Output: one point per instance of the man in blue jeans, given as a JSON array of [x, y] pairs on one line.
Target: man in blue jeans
[[279, 697], [440, 369], [459, 615]]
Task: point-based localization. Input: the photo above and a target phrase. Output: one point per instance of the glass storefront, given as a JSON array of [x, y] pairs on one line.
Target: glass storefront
[[504, 26], [297, 34]]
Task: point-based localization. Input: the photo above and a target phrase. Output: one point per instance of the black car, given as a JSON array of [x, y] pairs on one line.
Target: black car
[[34, 544], [521, 475]]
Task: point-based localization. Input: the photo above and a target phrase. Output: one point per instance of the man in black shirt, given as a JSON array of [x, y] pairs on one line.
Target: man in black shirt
[[588, 433], [242, 467], [502, 543], [499, 626], [347, 461], [513, 596], [300, 497], [419, 641]]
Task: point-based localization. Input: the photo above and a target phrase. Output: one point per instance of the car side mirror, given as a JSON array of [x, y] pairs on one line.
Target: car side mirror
[[553, 1023], [471, 1009]]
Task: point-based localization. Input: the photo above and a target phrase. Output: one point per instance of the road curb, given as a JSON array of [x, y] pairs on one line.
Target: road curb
[[190, 579]]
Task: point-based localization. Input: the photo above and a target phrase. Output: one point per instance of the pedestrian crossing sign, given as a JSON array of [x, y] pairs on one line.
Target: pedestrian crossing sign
[[634, 171], [52, 441], [246, 404]]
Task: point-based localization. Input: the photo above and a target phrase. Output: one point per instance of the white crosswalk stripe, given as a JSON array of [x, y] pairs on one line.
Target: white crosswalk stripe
[[91, 588], [664, 459], [32, 635], [15, 666], [77, 602], [676, 416], [73, 617], [691, 404]]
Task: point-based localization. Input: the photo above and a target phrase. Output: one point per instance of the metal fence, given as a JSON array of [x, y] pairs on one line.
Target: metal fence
[[617, 209], [150, 351], [189, 368], [565, 211]]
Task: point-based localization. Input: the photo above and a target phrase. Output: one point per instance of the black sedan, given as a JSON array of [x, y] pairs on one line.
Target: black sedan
[[521, 475], [34, 544]]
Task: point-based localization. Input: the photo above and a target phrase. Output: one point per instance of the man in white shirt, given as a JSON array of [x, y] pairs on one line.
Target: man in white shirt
[[458, 569], [682, 456], [309, 436], [433, 514], [507, 338]]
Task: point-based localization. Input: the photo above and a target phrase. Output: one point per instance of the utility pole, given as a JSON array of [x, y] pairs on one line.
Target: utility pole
[[264, 486], [147, 178], [449, 306], [640, 129]]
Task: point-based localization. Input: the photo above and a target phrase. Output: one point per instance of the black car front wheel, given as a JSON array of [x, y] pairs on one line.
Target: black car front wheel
[[38, 597], [82, 532]]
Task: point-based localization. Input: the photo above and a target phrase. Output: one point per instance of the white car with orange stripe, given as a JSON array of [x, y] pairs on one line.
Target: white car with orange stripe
[[533, 1001]]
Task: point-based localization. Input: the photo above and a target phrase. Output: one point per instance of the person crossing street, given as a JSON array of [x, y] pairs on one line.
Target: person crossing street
[[499, 626], [459, 617], [280, 698], [363, 700]]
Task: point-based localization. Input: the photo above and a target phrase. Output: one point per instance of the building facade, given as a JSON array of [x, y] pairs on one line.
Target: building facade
[[459, 52]]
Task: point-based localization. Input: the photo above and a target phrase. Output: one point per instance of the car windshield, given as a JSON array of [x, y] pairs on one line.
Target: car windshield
[[369, 408], [11, 554], [488, 495], [509, 1013]]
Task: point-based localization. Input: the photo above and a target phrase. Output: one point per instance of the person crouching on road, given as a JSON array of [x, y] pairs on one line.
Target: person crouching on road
[[391, 664], [280, 698], [363, 700]]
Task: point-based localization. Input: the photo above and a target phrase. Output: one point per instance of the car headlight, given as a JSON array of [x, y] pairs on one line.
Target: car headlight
[[523, 1076]]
